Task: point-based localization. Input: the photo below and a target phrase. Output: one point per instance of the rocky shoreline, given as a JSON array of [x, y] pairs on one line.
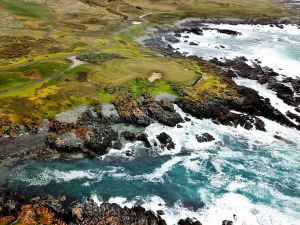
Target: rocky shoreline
[[89, 131], [61, 210], [48, 209], [93, 131]]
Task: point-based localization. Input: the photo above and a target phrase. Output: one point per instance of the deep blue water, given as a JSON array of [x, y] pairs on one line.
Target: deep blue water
[[241, 167]]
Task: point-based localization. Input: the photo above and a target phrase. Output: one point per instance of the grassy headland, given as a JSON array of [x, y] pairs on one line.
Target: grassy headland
[[37, 37]]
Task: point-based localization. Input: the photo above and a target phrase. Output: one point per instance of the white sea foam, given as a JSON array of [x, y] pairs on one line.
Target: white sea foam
[[274, 47], [231, 206], [266, 93], [47, 175]]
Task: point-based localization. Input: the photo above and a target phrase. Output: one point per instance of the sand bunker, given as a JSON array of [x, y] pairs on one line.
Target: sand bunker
[[155, 76]]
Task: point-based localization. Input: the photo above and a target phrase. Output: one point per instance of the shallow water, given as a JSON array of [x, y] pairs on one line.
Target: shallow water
[[249, 174]]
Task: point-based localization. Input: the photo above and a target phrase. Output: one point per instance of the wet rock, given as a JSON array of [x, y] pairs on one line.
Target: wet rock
[[16, 208], [188, 221], [253, 104], [283, 92], [193, 43], [229, 32], [97, 139], [204, 110], [205, 138], [227, 222], [259, 124], [278, 137], [296, 85], [243, 120], [160, 212], [101, 139], [187, 119], [128, 136], [171, 38], [139, 137], [144, 138], [196, 30], [166, 141], [113, 214], [117, 144], [129, 153], [293, 116], [163, 112]]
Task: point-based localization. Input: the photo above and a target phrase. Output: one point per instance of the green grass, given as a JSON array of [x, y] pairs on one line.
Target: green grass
[[134, 32], [27, 74], [21, 8], [116, 72], [10, 80], [104, 96], [141, 86]]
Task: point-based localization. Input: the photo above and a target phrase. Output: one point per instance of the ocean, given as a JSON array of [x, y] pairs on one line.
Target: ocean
[[246, 176]]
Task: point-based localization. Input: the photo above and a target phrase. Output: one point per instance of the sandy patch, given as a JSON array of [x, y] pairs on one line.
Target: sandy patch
[[155, 76]]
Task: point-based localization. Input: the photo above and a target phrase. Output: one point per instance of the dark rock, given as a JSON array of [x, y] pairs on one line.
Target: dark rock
[[129, 153], [229, 32], [254, 105], [117, 145], [205, 138], [179, 126], [283, 92], [293, 116], [163, 112], [227, 222], [188, 221], [144, 138], [171, 38], [129, 136], [259, 124], [193, 43], [243, 120], [160, 212], [61, 210], [204, 110], [187, 119], [166, 141], [196, 30], [101, 139], [296, 85]]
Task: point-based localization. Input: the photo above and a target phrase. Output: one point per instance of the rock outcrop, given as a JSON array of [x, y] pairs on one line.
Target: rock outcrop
[[60, 211], [166, 141]]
